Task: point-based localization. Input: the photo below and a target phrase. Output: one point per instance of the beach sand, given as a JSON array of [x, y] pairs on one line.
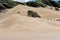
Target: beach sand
[[18, 26]]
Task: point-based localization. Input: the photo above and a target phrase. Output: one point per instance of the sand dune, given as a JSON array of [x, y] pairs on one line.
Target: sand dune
[[14, 25], [43, 12], [23, 23], [14, 21]]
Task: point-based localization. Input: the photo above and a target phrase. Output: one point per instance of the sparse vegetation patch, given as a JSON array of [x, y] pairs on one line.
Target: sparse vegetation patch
[[33, 14]]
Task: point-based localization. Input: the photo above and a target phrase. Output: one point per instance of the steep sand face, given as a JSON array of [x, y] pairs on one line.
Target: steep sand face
[[43, 12], [14, 21]]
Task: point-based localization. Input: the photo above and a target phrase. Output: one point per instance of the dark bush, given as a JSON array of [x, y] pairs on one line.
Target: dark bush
[[58, 20], [2, 7], [32, 4], [54, 3], [18, 12], [56, 8], [33, 14], [41, 3], [8, 3], [11, 4], [35, 4]]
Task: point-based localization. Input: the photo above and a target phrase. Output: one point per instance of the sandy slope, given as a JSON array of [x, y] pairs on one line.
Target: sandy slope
[[43, 12], [14, 21], [29, 36], [18, 26], [22, 23]]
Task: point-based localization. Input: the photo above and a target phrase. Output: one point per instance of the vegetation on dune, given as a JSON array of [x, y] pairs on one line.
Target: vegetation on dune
[[56, 8], [52, 3], [2, 7], [5, 4], [44, 3], [33, 14], [32, 4], [41, 3], [38, 3], [8, 4]]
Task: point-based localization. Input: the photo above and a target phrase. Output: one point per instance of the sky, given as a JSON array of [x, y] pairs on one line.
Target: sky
[[56, 0], [24, 0], [31, 0]]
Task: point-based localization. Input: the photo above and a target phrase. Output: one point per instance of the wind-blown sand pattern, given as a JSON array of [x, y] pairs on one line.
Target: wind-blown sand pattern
[[12, 21]]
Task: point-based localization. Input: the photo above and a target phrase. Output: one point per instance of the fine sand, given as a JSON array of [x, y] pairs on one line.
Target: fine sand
[[19, 26]]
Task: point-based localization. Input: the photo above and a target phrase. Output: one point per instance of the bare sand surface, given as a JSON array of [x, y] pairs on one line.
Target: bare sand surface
[[18, 26], [30, 36]]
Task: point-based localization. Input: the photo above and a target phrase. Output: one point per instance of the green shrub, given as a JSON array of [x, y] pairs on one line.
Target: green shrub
[[2, 7], [56, 8], [36, 4], [33, 14], [32, 4], [8, 3], [41, 3]]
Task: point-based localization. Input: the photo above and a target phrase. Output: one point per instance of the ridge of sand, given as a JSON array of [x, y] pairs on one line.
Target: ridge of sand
[[43, 12], [17, 22], [13, 21]]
